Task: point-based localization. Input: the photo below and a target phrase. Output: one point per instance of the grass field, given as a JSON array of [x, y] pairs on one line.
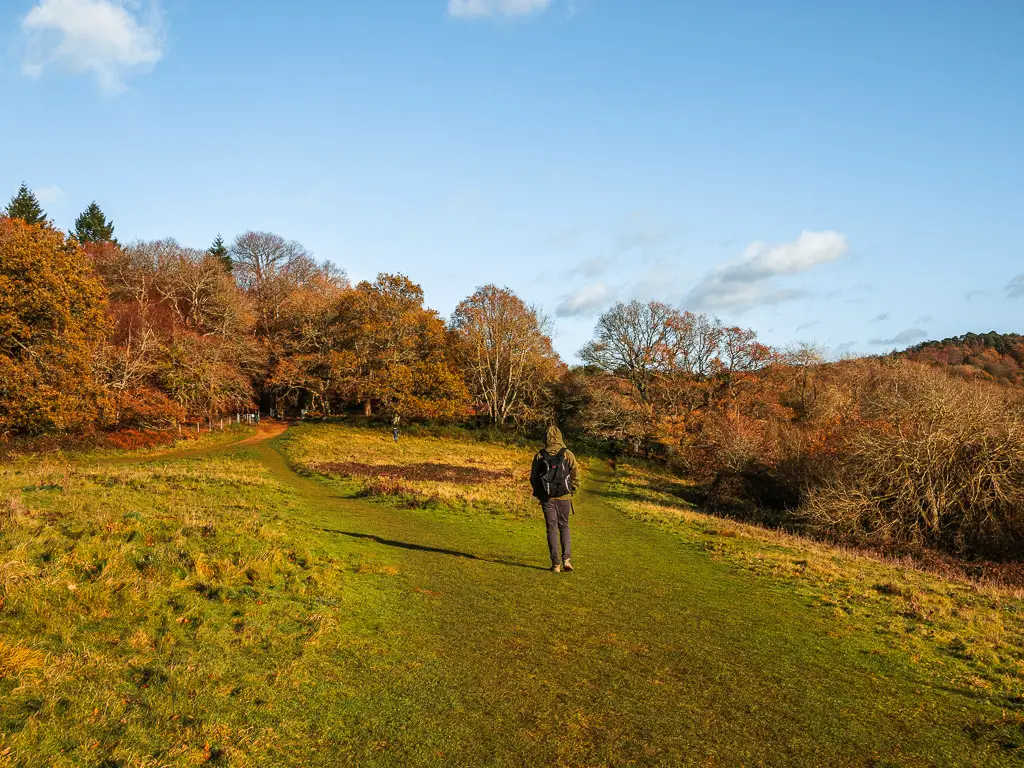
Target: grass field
[[969, 634], [220, 609], [418, 471]]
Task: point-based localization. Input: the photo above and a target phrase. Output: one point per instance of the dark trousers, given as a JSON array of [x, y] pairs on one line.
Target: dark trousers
[[556, 515]]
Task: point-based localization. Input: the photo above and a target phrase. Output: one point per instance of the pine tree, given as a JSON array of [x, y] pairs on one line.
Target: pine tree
[[220, 252], [25, 206], [92, 226]]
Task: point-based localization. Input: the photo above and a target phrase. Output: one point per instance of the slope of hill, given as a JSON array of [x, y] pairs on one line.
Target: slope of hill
[[221, 609], [998, 356]]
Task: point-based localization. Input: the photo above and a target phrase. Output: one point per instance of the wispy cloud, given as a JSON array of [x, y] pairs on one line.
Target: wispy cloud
[[909, 336], [587, 301], [109, 39], [925, 319], [751, 281], [805, 326], [49, 195], [1015, 288], [879, 318], [592, 267], [971, 295], [478, 9]]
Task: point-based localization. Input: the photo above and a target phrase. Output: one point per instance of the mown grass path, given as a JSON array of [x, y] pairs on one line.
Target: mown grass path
[[651, 653]]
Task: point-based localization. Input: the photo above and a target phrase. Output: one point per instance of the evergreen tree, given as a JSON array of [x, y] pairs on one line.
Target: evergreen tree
[[93, 227], [25, 206], [220, 252]]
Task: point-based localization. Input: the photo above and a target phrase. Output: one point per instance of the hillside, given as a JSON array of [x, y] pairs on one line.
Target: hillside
[[998, 356], [218, 608]]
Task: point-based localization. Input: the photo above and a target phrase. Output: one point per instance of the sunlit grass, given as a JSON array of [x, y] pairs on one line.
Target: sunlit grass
[[224, 611], [154, 615], [419, 470], [968, 633]]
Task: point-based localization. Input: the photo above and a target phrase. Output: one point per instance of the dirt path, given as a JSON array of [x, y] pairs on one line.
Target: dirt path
[[266, 430]]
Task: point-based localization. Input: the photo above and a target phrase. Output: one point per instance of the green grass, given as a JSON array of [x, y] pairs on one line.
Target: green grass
[[224, 610], [971, 634], [421, 470]]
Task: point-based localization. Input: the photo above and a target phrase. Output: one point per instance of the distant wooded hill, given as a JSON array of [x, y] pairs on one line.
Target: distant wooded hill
[[998, 356]]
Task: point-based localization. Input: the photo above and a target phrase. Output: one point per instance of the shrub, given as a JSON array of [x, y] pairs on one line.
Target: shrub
[[932, 461]]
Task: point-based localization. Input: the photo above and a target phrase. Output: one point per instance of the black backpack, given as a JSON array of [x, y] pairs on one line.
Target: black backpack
[[555, 476]]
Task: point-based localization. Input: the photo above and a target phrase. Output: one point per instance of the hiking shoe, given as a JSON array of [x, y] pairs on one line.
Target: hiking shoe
[[556, 569], [567, 564]]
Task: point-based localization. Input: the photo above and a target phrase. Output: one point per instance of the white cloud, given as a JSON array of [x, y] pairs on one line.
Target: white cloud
[[923, 319], [1015, 288], [109, 39], [49, 195], [584, 302], [903, 337], [879, 318], [476, 9], [750, 281], [805, 326]]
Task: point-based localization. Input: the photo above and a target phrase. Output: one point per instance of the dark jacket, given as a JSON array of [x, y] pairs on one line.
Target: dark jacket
[[552, 446]]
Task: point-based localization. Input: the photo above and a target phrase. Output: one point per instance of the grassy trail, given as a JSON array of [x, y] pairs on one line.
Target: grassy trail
[[650, 654], [212, 606]]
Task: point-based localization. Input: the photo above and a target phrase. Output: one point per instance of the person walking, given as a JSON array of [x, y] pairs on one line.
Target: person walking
[[554, 478], [394, 433]]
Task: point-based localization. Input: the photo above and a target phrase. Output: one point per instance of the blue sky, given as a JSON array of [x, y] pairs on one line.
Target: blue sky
[[845, 173]]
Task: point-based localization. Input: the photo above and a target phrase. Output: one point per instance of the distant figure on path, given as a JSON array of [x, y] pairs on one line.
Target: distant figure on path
[[394, 434], [554, 477]]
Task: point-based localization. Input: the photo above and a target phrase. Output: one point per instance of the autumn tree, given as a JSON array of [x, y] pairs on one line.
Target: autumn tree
[[740, 355], [394, 353], [680, 369], [181, 328], [269, 268], [803, 360], [603, 405], [635, 341], [52, 321], [693, 343], [25, 206], [307, 372], [193, 285], [93, 226], [505, 353]]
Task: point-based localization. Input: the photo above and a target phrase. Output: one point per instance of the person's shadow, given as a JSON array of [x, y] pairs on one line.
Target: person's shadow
[[423, 548]]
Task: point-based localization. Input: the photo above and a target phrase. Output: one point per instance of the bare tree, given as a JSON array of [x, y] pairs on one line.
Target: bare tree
[[695, 342], [636, 341], [506, 351], [269, 268]]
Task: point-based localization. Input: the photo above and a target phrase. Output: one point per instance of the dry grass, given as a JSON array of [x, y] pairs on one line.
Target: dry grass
[[135, 600], [198, 613], [969, 633], [937, 463], [419, 470]]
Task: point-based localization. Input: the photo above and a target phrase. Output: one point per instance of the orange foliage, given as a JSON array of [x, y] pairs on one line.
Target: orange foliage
[[52, 321]]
